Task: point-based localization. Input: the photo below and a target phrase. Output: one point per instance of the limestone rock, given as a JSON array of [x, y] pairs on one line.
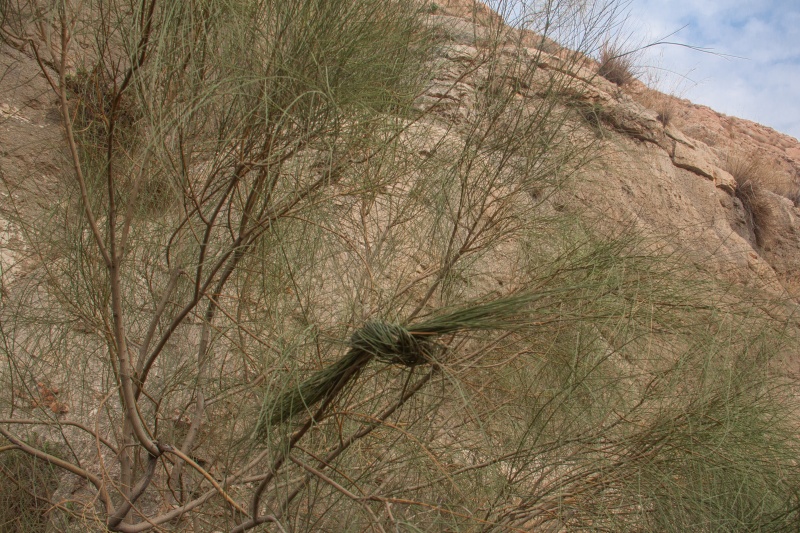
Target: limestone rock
[[697, 159]]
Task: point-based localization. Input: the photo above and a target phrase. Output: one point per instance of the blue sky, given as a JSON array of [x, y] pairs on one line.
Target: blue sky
[[758, 75], [753, 71]]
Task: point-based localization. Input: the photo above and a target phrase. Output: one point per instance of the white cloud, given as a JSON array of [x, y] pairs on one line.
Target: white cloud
[[757, 74]]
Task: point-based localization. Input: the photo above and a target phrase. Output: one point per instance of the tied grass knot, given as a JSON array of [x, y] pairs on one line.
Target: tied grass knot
[[388, 343], [391, 344]]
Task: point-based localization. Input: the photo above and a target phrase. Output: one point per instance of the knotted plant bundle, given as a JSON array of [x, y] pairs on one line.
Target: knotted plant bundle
[[392, 344]]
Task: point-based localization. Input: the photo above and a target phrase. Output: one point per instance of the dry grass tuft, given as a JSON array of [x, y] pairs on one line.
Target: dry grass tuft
[[793, 193], [26, 484], [754, 177], [615, 65], [665, 105], [788, 188]]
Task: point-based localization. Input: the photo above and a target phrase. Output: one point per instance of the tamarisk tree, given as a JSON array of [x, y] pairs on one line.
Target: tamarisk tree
[[307, 269]]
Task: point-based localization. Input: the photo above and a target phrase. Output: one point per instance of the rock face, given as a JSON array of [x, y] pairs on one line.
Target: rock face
[[665, 161], [667, 164], [29, 129]]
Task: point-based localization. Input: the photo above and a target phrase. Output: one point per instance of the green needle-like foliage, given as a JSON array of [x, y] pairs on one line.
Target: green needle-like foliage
[[256, 214], [402, 345], [393, 344]]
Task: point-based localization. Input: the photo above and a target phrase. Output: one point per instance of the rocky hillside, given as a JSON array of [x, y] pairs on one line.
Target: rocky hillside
[[675, 169], [667, 164]]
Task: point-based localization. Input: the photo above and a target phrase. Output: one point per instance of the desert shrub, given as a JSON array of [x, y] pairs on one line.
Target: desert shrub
[[327, 332], [660, 91], [665, 114], [753, 178], [616, 65], [792, 192], [787, 186], [594, 115], [25, 489], [756, 207], [665, 107]]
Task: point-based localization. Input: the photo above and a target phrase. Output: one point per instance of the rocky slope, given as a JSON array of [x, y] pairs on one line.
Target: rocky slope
[[669, 176], [667, 163]]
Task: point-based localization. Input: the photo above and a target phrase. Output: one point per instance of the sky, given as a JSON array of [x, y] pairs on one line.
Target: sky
[[753, 71]]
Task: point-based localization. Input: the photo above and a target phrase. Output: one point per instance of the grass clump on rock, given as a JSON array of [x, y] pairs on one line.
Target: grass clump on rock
[[616, 65]]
